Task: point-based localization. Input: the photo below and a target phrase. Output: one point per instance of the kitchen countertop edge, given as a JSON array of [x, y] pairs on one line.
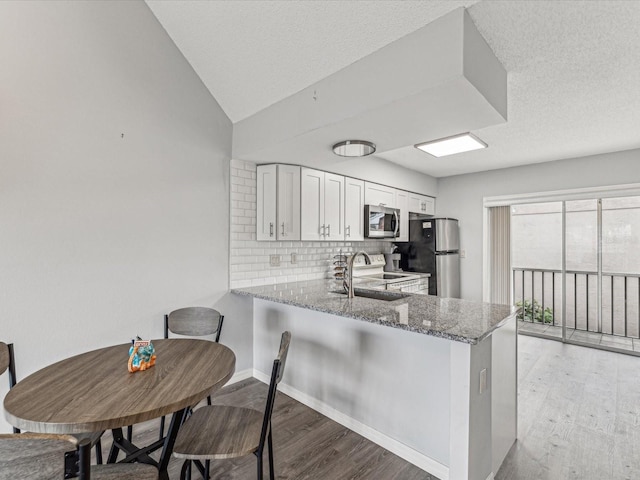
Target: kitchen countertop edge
[[370, 310]]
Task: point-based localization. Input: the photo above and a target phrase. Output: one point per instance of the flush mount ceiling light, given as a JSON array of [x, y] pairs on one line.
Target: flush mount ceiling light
[[354, 148], [465, 142]]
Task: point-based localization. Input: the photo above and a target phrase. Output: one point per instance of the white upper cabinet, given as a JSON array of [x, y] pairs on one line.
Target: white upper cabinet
[[422, 204], [312, 197], [353, 209], [278, 202], [298, 203], [334, 206], [322, 195], [375, 194], [266, 202], [402, 203], [288, 202]]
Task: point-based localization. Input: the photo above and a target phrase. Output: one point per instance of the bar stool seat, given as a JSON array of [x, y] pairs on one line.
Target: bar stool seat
[[42, 456], [219, 432]]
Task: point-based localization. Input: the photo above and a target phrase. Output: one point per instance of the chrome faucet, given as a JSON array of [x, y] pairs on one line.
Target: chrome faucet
[[348, 279]]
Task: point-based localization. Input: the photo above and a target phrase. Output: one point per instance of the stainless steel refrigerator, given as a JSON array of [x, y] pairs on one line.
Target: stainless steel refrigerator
[[433, 248]]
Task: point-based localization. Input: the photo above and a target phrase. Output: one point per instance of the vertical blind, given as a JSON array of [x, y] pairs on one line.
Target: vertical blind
[[499, 238]]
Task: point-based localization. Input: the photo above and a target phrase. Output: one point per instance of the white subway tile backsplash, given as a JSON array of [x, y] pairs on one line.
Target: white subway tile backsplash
[[249, 262]]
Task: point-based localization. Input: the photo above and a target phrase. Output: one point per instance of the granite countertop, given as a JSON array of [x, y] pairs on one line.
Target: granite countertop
[[449, 318]]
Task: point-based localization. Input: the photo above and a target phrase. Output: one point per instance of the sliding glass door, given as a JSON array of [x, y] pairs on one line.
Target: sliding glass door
[[537, 259], [576, 270], [620, 272]]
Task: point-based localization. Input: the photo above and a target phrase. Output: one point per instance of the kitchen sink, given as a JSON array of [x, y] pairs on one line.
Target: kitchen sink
[[383, 295]]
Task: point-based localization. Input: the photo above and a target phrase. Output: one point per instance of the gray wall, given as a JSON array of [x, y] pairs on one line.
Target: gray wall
[[462, 196], [101, 234]]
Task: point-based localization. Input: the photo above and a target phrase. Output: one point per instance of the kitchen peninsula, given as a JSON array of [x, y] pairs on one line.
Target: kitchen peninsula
[[430, 379]]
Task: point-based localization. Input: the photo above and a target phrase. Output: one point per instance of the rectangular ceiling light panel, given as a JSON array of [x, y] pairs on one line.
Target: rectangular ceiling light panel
[[464, 142]]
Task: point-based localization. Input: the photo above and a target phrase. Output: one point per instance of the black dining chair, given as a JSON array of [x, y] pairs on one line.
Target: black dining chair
[[220, 431], [53, 457], [193, 322], [7, 362]]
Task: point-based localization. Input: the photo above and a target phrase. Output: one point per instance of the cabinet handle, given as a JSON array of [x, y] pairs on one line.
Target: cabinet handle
[[283, 234], [348, 230], [271, 229], [395, 230], [322, 230], [329, 230]]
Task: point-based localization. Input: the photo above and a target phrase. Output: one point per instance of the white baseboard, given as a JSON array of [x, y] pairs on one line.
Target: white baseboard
[[241, 375], [427, 464]]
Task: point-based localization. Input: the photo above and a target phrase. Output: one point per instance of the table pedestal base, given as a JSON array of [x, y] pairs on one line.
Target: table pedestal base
[[141, 454]]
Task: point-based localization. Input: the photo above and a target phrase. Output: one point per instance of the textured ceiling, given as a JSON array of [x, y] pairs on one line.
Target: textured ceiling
[[251, 54], [573, 66]]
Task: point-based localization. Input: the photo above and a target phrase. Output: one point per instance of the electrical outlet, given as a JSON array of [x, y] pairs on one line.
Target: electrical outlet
[[274, 260], [483, 380], [294, 258], [463, 254]]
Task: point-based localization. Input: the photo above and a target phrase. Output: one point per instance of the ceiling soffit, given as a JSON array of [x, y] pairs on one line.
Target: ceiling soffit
[[440, 80]]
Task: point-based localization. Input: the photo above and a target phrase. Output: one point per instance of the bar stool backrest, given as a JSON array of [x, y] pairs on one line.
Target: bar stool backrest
[[276, 375], [194, 321], [5, 360]]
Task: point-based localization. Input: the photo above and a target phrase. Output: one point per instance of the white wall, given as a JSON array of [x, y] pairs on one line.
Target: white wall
[[378, 170], [101, 234], [462, 196]]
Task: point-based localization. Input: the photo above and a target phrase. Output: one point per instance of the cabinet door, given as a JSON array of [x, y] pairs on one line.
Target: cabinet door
[[353, 209], [266, 203], [375, 194], [421, 204], [288, 202], [333, 206], [402, 202], [415, 200], [429, 205], [312, 197]]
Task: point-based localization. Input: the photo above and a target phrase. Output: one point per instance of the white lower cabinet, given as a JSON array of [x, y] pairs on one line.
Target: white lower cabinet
[[278, 202], [353, 209], [322, 197]]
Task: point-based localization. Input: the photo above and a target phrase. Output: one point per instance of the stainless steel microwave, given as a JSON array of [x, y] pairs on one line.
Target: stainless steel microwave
[[381, 222]]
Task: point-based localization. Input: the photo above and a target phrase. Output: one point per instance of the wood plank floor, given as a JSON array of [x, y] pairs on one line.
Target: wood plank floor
[[579, 418], [308, 446], [579, 414]]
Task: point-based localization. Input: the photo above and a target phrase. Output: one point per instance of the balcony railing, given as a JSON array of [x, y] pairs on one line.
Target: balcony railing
[[539, 292]]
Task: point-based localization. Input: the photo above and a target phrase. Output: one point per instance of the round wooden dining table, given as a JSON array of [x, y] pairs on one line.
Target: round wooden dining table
[[94, 391]]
